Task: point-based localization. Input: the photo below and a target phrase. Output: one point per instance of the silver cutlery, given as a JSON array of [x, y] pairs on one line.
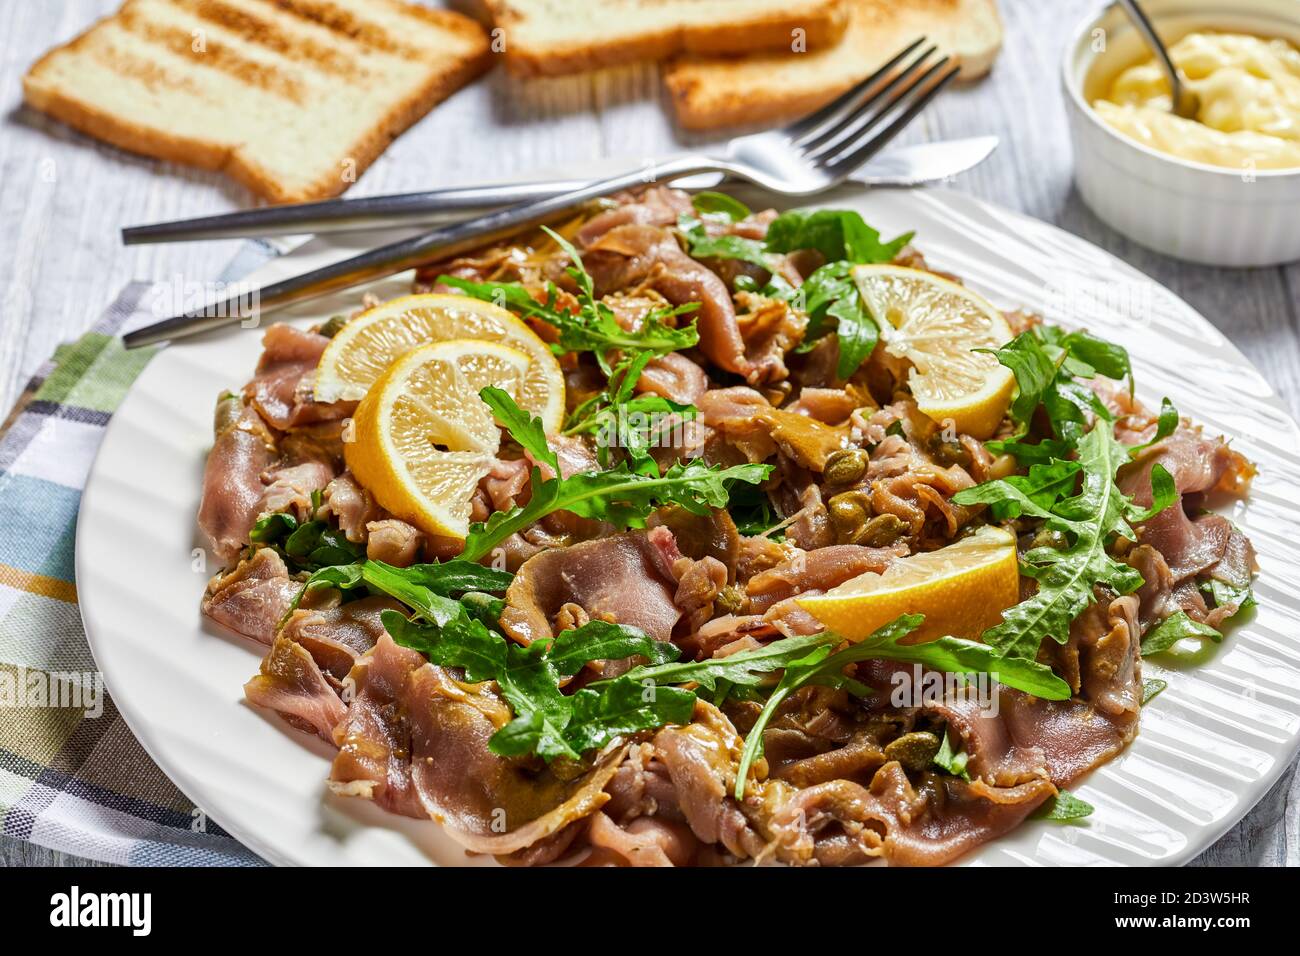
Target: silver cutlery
[[806, 157], [1183, 102], [904, 166]]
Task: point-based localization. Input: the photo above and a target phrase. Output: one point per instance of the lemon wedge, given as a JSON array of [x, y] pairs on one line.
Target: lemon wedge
[[962, 590], [422, 438], [938, 325], [367, 345]]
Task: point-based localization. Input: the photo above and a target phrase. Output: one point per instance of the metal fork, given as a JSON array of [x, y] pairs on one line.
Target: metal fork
[[809, 156]]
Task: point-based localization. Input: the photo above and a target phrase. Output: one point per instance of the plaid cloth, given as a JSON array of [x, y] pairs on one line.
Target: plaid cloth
[[73, 778]]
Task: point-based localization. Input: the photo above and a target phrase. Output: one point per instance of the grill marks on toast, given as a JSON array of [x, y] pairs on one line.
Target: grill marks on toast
[[295, 98], [266, 32], [213, 55], [342, 23]]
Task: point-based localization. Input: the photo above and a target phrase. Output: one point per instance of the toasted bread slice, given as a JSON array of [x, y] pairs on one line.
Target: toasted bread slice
[[294, 98], [549, 37], [716, 91]]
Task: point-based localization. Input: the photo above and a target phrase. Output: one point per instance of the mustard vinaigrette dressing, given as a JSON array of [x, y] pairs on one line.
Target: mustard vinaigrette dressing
[[1249, 90]]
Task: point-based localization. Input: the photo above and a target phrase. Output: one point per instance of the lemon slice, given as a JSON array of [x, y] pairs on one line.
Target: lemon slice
[[937, 325], [962, 590], [422, 438], [367, 345]]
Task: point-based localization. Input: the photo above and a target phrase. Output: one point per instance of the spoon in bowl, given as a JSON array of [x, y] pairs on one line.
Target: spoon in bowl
[[1185, 102]]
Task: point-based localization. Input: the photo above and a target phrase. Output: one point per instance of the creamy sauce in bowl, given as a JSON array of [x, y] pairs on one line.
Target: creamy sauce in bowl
[[1249, 90]]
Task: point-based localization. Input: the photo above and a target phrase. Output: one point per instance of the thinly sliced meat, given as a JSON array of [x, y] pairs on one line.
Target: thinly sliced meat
[[1155, 597], [232, 478], [698, 585], [374, 738], [505, 482], [733, 417], [1198, 465], [291, 684], [1238, 563], [702, 536], [701, 760], [674, 377], [1189, 545], [1073, 735], [282, 386], [1110, 660], [831, 406], [252, 598], [641, 787], [646, 841], [394, 542], [841, 822], [817, 570], [619, 578], [769, 328], [350, 505], [632, 254], [801, 502], [656, 206], [487, 803], [338, 634], [290, 488]]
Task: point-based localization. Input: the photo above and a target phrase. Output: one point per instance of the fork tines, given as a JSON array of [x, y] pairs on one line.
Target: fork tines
[[847, 131]]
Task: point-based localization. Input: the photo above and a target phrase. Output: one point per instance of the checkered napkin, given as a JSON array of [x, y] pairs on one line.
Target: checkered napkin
[[72, 776]]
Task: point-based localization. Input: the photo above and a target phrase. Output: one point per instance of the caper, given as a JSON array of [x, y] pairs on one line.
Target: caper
[[915, 751], [845, 466], [731, 600], [333, 325], [949, 452], [880, 532], [849, 511]]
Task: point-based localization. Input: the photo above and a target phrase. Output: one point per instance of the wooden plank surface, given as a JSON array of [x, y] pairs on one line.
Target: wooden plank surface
[[62, 198]]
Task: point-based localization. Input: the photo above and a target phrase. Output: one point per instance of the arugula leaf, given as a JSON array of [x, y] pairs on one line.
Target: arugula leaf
[[1045, 485], [1151, 686], [525, 429], [954, 655], [1166, 425], [752, 511], [726, 246], [708, 203], [306, 546], [952, 759], [624, 707], [594, 327], [417, 586], [547, 722], [1093, 356], [1064, 807], [1173, 629], [745, 669], [271, 528], [1224, 594], [1067, 576], [1045, 362], [835, 233], [1035, 371], [623, 420], [830, 293], [602, 641], [1163, 494], [619, 496]]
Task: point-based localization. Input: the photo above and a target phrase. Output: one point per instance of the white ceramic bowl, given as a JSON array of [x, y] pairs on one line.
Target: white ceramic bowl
[[1185, 209]]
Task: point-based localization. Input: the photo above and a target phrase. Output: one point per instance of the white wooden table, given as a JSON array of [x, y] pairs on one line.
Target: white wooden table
[[63, 198]]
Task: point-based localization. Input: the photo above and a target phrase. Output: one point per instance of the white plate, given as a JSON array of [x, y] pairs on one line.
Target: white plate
[[1210, 745]]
